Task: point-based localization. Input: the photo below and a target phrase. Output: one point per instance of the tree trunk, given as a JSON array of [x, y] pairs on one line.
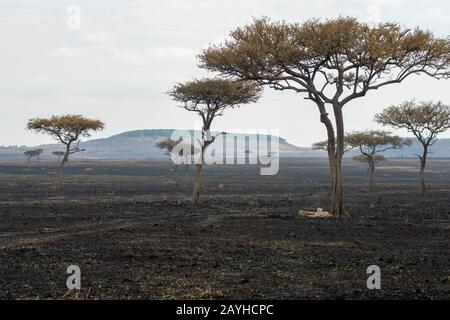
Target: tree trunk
[[337, 198], [337, 203], [197, 183], [61, 176], [371, 175], [61, 168], [198, 178], [335, 149], [423, 162]]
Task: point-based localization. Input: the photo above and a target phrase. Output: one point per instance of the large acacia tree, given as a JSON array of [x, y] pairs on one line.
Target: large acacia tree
[[209, 98], [332, 63], [68, 130], [371, 143], [425, 120]]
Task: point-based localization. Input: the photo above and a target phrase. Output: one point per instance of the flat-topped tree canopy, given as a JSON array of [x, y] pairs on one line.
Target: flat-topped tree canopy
[[371, 142], [33, 152], [334, 60], [375, 159], [29, 154], [176, 148], [423, 119], [323, 145], [65, 128], [210, 97]]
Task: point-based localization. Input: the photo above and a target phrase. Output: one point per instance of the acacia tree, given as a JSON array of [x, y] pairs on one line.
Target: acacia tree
[[29, 154], [209, 98], [425, 120], [67, 129], [332, 62], [370, 144], [59, 154], [178, 152], [323, 145]]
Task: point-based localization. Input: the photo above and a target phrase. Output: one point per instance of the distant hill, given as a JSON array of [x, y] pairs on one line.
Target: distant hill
[[141, 144], [134, 144], [441, 149]]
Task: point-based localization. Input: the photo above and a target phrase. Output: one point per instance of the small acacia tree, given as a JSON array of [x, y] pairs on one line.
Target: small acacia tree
[[425, 120], [178, 152], [209, 98], [370, 144], [59, 154], [323, 145], [332, 62], [67, 129], [29, 154]]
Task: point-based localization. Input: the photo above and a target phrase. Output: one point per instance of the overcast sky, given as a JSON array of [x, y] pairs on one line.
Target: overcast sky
[[127, 54]]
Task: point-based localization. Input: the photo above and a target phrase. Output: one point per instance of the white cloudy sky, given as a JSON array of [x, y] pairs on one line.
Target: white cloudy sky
[[127, 54]]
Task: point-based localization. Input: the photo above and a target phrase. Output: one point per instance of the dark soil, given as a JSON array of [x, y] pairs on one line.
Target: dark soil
[[134, 233]]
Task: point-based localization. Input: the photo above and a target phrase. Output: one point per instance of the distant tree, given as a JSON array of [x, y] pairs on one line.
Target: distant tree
[[371, 143], [59, 154], [29, 154], [176, 151], [209, 98], [425, 120], [323, 145], [332, 62], [67, 129]]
